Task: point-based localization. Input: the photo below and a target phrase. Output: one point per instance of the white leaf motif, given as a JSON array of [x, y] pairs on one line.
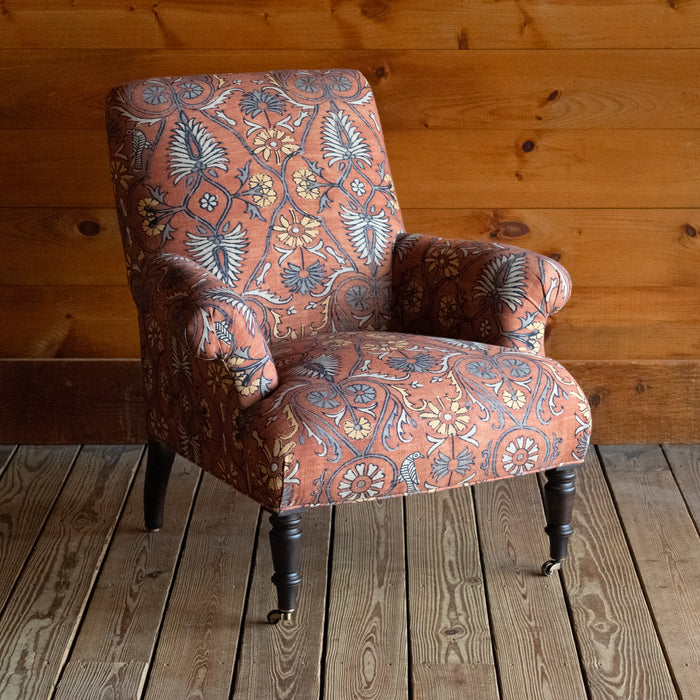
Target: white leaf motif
[[193, 149], [370, 233], [342, 141], [220, 253]]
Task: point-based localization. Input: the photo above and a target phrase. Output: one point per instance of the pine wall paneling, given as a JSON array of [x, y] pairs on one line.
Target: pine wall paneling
[[567, 127]]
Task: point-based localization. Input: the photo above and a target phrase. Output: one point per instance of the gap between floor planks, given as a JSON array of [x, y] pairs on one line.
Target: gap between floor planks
[[92, 604]]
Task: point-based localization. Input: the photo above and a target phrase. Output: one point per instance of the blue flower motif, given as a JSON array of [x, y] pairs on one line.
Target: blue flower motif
[[253, 103], [321, 398], [339, 83], [209, 201], [306, 83], [155, 95], [444, 465], [481, 369], [363, 393], [300, 280], [518, 368], [421, 362], [357, 298], [191, 90]]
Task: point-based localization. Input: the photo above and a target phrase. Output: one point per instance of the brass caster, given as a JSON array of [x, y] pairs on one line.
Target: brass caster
[[549, 567], [274, 616]]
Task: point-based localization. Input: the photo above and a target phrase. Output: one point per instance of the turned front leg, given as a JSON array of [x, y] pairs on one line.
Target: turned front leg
[[285, 544], [559, 492]]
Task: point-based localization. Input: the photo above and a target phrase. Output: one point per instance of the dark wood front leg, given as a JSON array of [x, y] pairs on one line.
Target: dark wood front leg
[[559, 492], [285, 544], [158, 466]]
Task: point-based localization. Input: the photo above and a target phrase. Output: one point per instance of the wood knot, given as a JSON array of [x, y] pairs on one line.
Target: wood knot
[[462, 41], [594, 399], [690, 231], [89, 228], [373, 8], [528, 146], [553, 96], [380, 72], [509, 229]]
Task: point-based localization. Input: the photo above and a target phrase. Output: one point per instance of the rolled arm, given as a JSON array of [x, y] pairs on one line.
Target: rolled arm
[[186, 301], [470, 290]]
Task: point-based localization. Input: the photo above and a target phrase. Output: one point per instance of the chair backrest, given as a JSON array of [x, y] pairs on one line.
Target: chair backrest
[[277, 183]]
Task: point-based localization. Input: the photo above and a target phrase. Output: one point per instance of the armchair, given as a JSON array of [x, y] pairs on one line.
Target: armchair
[[296, 342]]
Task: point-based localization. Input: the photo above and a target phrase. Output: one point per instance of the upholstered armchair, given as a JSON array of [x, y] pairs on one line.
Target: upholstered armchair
[[296, 342]]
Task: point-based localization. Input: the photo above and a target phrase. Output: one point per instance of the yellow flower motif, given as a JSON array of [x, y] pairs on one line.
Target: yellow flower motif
[[389, 181], [246, 387], [296, 233], [147, 209], [274, 142], [381, 347], [307, 184], [583, 406], [219, 377], [516, 400], [262, 190], [446, 417], [536, 329], [443, 260], [272, 472], [120, 175], [357, 429]]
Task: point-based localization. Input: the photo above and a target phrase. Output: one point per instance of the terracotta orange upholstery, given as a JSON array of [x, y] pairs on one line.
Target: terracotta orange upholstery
[[296, 342]]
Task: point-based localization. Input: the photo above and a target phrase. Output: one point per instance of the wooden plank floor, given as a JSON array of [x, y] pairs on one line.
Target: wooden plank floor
[[437, 596]]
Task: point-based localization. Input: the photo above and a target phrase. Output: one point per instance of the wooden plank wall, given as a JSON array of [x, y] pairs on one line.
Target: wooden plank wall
[[567, 127]]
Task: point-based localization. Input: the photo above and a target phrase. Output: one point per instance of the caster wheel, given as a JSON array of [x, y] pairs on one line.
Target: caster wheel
[[549, 567], [274, 616]]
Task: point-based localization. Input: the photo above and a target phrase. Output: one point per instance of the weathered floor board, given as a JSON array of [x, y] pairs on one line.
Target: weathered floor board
[[286, 663], [685, 465], [124, 616], [196, 650], [620, 651], [28, 491], [666, 548], [39, 622], [437, 596], [367, 648], [535, 650], [450, 635]]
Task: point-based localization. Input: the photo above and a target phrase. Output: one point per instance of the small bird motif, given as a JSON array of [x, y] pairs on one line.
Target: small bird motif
[[408, 472], [139, 143]]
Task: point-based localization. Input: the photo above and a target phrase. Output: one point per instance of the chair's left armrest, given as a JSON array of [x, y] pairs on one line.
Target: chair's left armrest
[[184, 300], [471, 290]]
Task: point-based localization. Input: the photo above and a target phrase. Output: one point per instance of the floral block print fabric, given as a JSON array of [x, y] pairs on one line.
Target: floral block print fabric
[[372, 415], [276, 183], [262, 237], [489, 292]]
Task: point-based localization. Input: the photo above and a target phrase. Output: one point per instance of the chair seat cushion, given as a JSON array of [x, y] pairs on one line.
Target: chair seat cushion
[[361, 415]]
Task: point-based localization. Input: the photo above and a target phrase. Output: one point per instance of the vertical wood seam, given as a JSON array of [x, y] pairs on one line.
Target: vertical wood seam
[[246, 598], [171, 586], [487, 596], [96, 574], [638, 573]]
